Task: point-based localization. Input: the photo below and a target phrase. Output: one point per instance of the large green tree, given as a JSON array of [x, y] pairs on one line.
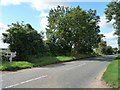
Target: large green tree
[[113, 13], [104, 49], [84, 29], [23, 39], [72, 28], [57, 39]]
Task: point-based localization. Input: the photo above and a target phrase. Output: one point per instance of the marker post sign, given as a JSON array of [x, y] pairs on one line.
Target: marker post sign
[[11, 55]]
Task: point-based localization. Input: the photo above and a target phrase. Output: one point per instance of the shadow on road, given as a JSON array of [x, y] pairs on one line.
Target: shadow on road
[[99, 59], [108, 58], [54, 65]]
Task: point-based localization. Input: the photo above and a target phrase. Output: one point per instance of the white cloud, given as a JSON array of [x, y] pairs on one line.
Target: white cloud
[[43, 24], [43, 20], [103, 23], [37, 4], [12, 2], [2, 30], [3, 45], [5, 2], [110, 35], [43, 14], [111, 39]]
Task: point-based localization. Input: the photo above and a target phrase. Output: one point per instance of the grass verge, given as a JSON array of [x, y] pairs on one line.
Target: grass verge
[[15, 65], [111, 75], [38, 62], [42, 61]]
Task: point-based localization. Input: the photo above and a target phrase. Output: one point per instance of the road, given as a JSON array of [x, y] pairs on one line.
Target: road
[[75, 74]]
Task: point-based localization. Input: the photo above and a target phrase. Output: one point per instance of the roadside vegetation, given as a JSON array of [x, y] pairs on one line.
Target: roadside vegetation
[[46, 60], [72, 33], [15, 65], [112, 74], [38, 62]]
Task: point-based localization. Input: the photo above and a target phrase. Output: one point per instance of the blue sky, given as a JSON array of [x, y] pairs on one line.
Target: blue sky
[[35, 12]]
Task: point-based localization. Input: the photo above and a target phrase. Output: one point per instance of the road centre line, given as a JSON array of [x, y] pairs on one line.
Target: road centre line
[[76, 66], [26, 81]]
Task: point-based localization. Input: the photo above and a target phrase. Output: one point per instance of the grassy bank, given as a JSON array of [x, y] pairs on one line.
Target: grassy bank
[[42, 61], [38, 62], [111, 75], [15, 65]]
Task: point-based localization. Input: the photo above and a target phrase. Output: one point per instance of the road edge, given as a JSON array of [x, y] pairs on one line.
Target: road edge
[[99, 82]]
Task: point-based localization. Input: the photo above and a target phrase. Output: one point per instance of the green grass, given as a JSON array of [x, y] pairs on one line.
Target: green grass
[[111, 75], [15, 65], [38, 62], [46, 60], [42, 61]]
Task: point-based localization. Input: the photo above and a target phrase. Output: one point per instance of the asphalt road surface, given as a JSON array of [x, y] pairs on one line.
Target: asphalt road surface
[[75, 74]]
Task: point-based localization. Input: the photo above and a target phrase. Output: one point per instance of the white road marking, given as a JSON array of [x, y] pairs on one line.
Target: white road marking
[[76, 66], [26, 81]]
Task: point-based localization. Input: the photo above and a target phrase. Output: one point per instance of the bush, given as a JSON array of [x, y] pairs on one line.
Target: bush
[[15, 65]]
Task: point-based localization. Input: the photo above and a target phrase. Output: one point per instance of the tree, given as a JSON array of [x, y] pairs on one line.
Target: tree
[[113, 13], [109, 50], [23, 39], [104, 49], [58, 38], [72, 28], [115, 50]]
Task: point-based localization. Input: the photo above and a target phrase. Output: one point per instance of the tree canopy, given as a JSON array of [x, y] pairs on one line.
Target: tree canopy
[[23, 39], [113, 13], [72, 29]]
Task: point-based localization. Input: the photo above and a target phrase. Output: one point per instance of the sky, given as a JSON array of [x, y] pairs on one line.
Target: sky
[[35, 12]]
